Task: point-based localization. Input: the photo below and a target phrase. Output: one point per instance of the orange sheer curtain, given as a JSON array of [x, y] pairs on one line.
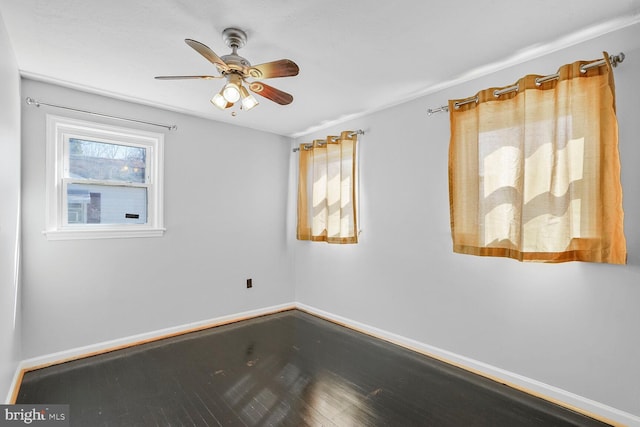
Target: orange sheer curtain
[[534, 174], [327, 190]]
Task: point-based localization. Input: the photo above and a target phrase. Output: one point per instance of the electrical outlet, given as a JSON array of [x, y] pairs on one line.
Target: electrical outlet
[[249, 283]]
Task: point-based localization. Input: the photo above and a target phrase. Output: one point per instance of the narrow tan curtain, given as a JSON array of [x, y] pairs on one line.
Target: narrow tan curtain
[[327, 190], [534, 174]]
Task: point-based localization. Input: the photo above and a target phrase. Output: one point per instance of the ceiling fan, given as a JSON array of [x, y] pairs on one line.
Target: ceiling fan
[[236, 70]]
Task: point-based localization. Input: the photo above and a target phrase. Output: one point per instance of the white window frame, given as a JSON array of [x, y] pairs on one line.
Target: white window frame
[[59, 130]]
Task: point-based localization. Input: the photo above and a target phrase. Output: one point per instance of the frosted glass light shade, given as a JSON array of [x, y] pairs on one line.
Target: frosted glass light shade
[[231, 92], [248, 100], [219, 101]]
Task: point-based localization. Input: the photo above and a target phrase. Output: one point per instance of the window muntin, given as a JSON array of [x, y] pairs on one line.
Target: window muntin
[[102, 181]]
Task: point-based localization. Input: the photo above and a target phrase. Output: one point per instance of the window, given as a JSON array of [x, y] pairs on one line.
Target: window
[[534, 170], [102, 181], [327, 190]]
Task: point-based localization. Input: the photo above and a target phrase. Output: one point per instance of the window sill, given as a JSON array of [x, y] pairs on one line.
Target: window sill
[[103, 233]]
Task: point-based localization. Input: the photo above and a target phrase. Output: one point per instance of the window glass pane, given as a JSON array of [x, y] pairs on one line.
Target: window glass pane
[[106, 204], [106, 162]]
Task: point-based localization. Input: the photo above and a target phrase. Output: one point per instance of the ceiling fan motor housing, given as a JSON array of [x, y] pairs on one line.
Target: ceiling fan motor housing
[[236, 62], [235, 39]]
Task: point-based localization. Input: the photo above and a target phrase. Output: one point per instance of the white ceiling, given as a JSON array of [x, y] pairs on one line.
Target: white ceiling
[[355, 56]]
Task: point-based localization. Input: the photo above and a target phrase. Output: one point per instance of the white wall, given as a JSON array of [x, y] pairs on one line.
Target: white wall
[[9, 211], [225, 213], [575, 326]]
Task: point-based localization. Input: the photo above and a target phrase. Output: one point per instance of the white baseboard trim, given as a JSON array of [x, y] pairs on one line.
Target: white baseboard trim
[[106, 346], [15, 383], [548, 392]]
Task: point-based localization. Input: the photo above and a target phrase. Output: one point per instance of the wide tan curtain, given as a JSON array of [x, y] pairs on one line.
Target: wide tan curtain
[[534, 174], [327, 190]]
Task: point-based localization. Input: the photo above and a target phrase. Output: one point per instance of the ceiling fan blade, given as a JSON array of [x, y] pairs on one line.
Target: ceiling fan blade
[[205, 51], [276, 95], [280, 68], [187, 77]]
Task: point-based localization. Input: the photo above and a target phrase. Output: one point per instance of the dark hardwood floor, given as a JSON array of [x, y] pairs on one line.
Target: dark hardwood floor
[[289, 369]]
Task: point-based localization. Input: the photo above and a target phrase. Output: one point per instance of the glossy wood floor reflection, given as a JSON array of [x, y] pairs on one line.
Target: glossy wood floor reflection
[[288, 369]]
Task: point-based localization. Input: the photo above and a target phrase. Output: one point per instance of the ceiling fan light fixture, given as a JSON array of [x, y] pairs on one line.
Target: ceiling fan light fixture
[[231, 90], [248, 100], [219, 101], [231, 93]]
